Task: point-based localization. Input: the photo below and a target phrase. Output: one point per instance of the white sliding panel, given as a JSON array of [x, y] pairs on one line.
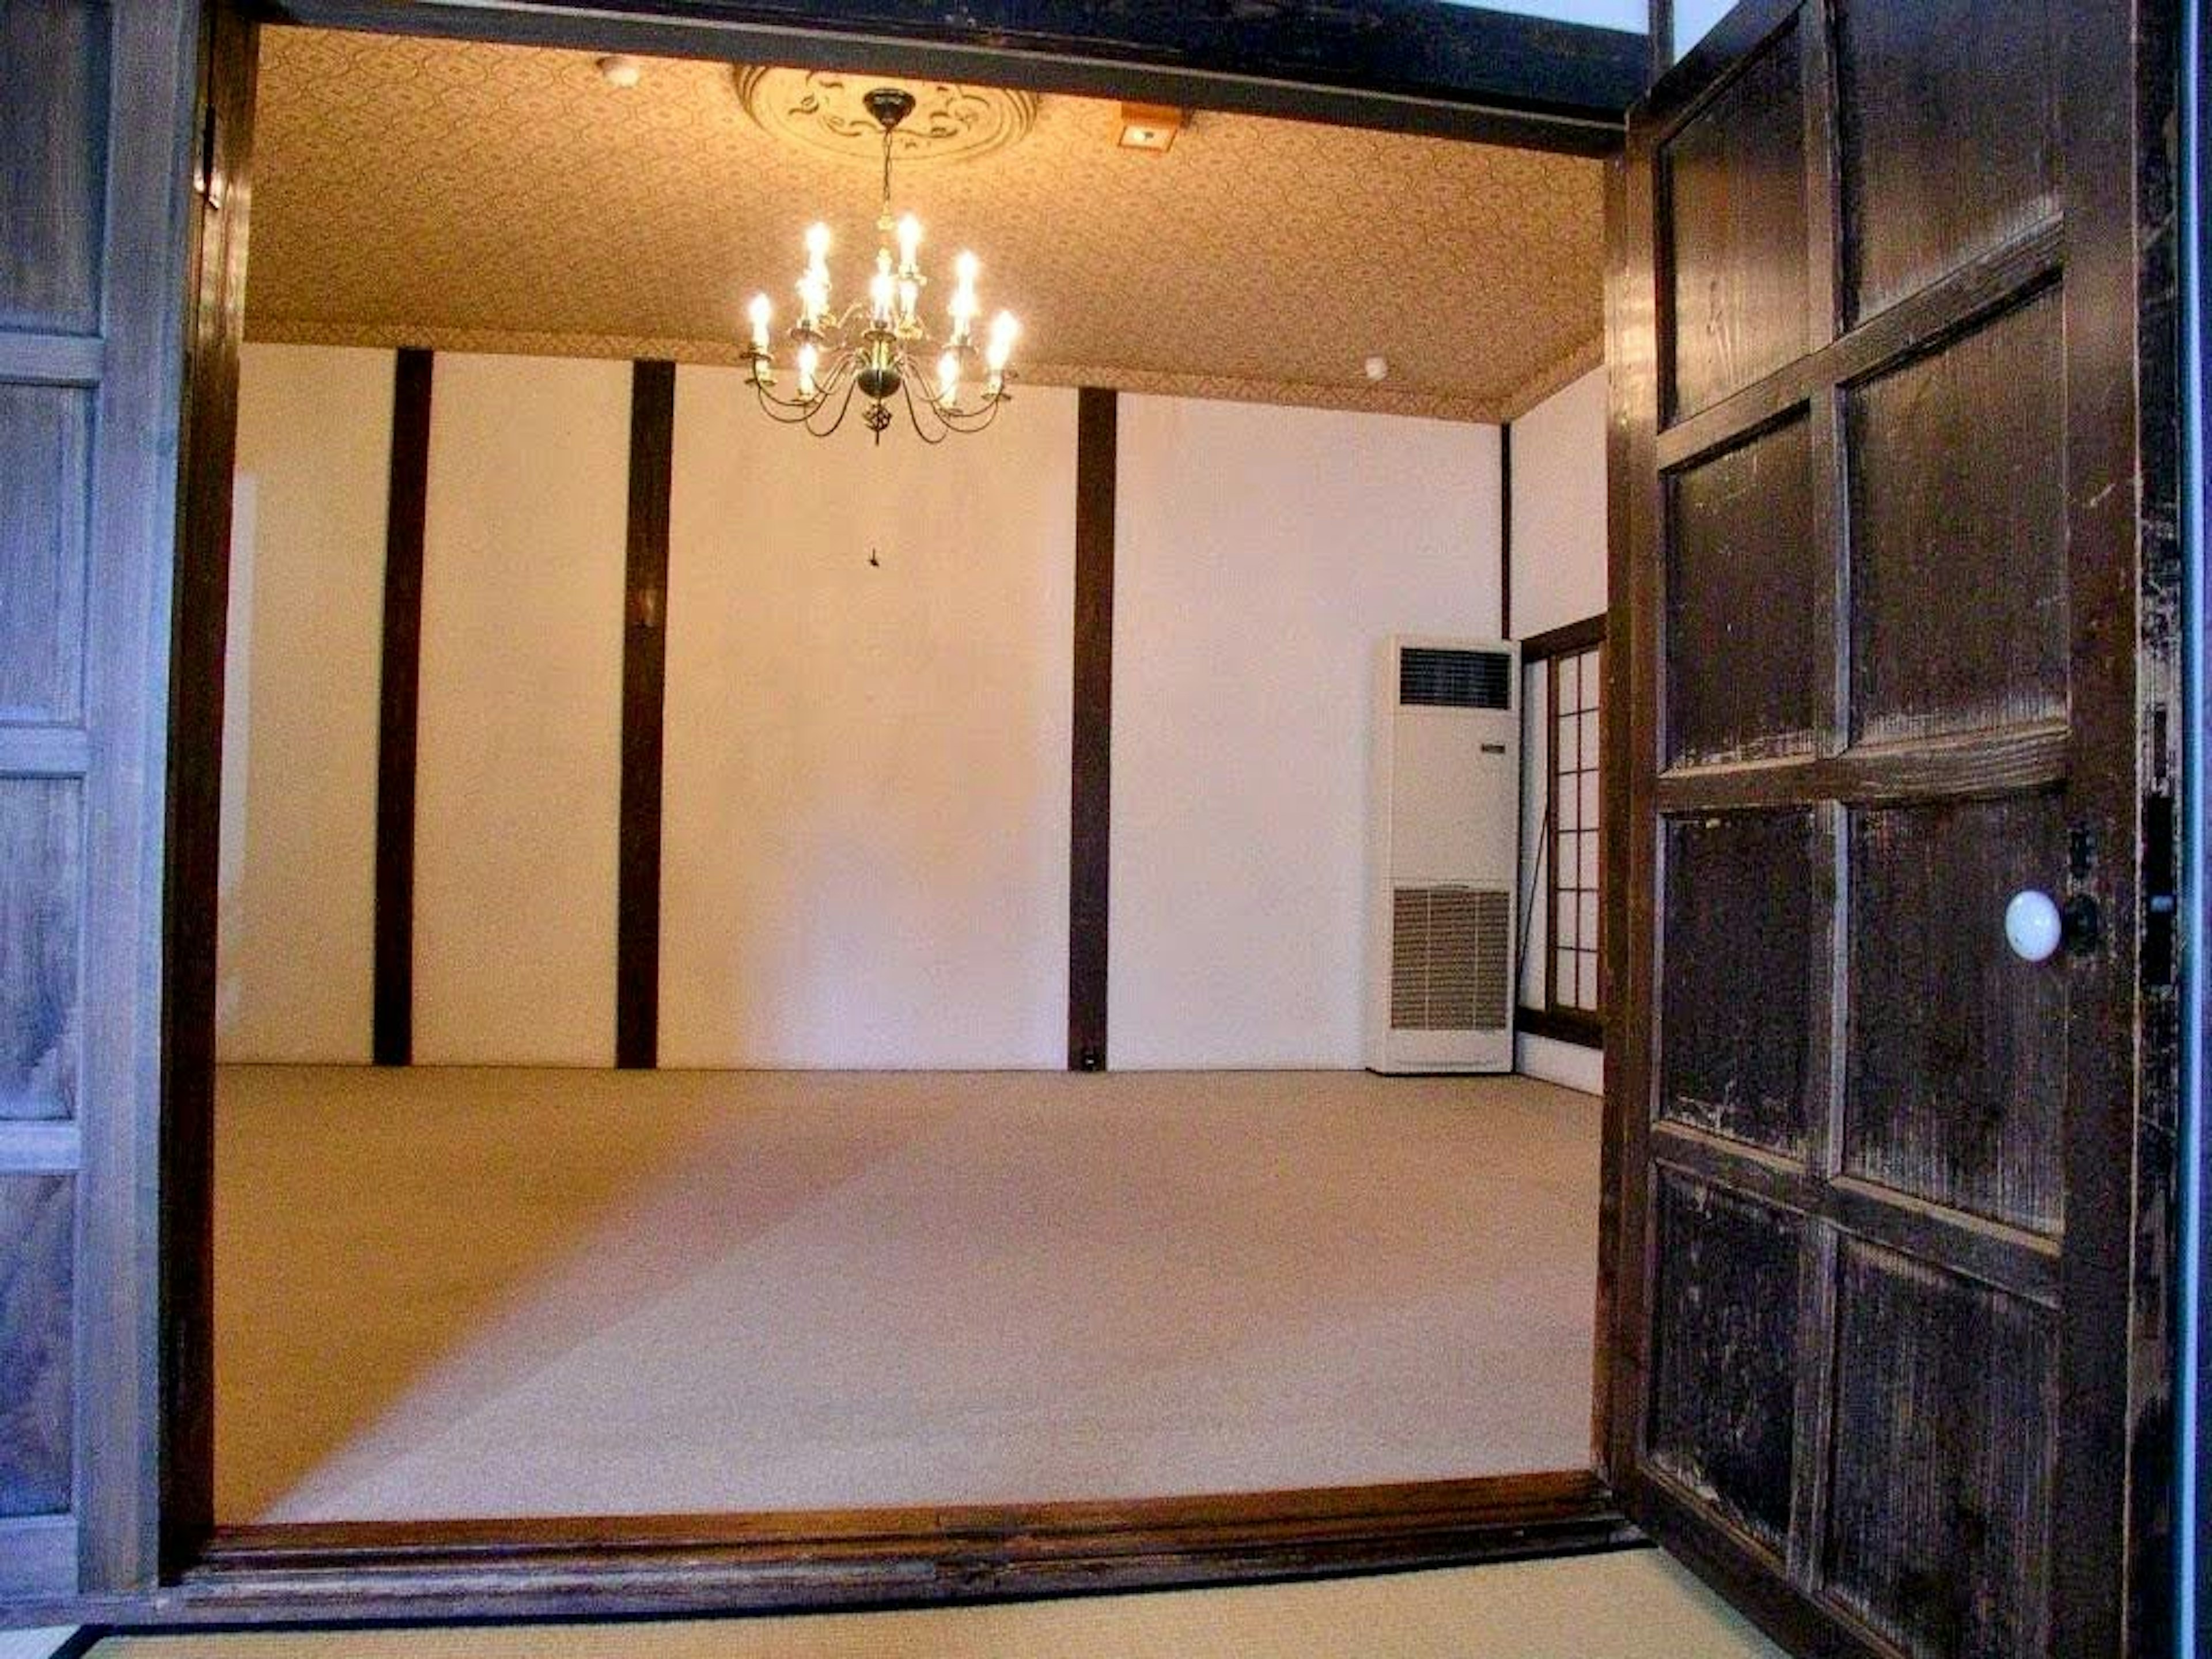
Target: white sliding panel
[[518, 777], [298, 870], [1261, 554], [865, 828]]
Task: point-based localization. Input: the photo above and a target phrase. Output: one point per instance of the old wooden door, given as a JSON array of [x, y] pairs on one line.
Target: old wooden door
[[96, 114], [1874, 317]]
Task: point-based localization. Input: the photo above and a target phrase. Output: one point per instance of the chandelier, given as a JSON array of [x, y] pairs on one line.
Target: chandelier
[[876, 347]]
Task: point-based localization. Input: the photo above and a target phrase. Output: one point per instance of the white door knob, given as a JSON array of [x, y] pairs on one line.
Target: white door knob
[[2032, 925]]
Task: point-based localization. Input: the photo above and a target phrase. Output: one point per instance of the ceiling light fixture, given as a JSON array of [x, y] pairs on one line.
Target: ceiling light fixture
[[875, 346], [1150, 127]]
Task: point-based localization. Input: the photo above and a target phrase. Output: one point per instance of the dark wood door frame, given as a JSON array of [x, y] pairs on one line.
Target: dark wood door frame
[[1429, 82], [500, 1569], [1402, 65]]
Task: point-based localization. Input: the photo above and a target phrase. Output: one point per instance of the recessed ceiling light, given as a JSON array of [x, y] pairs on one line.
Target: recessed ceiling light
[[1378, 366], [620, 70], [1149, 126]]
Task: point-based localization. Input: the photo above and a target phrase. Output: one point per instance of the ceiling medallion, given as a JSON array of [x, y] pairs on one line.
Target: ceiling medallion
[[826, 110]]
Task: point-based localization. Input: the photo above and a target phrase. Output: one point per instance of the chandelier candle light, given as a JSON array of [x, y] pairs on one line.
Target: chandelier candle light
[[876, 346]]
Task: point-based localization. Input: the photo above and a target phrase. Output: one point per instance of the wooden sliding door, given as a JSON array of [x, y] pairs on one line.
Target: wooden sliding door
[[1891, 927], [95, 122]]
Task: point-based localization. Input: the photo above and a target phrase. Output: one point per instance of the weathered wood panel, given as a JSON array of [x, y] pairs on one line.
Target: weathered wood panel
[[53, 163], [41, 935], [38, 1241], [1939, 1535], [1746, 908], [1949, 119], [1738, 582], [1956, 1051], [46, 434], [1735, 181], [1958, 500], [1724, 1366]]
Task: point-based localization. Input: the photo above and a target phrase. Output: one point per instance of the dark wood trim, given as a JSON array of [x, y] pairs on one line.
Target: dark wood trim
[[1711, 64], [228, 56], [1632, 358], [2164, 622], [1549, 1019], [1403, 66], [1506, 530], [1563, 641], [393, 1033], [1584, 1030], [2000, 280], [2193, 1022], [1091, 749], [1872, 773], [645, 663], [665, 1564], [153, 278], [2113, 1582]]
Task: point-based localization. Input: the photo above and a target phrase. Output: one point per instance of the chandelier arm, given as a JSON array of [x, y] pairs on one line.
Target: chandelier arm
[[968, 420], [784, 411], [914, 418], [844, 404], [800, 411]]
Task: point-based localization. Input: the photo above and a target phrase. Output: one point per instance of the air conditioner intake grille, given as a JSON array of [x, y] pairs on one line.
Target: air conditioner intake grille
[[1433, 678], [1450, 959]]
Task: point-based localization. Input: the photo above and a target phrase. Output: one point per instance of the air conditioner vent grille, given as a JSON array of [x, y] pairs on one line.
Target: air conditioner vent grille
[[1450, 959], [1436, 677]]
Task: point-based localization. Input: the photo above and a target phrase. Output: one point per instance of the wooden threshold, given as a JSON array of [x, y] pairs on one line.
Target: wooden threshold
[[625, 1566]]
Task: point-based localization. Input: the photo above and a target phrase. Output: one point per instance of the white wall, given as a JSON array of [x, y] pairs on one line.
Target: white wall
[[1559, 507], [520, 734], [297, 872], [866, 788], [866, 820], [1259, 555], [1558, 577]]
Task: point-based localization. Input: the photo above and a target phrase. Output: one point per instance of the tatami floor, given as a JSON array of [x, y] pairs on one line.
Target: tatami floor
[[1638, 1605], [497, 1292]]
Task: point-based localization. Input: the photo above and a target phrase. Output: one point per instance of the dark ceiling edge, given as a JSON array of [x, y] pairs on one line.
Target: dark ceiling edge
[[1420, 66]]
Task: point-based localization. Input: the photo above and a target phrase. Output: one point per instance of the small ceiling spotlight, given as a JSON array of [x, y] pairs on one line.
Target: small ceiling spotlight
[[620, 70], [1150, 127], [1378, 367]]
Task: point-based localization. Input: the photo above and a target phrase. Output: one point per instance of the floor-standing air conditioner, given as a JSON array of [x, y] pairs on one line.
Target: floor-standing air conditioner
[[1445, 798]]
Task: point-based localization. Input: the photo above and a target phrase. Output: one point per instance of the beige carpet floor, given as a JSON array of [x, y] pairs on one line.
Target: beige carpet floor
[[498, 1292]]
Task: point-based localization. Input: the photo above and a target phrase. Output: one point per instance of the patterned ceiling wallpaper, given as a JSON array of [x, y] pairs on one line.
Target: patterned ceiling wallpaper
[[479, 197]]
